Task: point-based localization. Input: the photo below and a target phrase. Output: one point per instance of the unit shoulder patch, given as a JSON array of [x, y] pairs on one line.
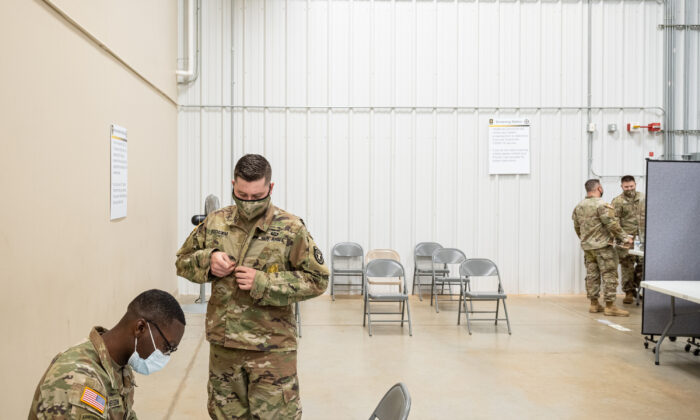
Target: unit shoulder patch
[[318, 255]]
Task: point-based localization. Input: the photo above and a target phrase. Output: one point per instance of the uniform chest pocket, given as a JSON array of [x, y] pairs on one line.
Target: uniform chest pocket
[[268, 253], [225, 241]]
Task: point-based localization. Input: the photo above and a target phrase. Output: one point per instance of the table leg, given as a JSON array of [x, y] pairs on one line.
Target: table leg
[[666, 330]]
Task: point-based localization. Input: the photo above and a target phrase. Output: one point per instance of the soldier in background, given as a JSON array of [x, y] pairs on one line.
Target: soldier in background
[[628, 210], [94, 379], [260, 260], [597, 228]]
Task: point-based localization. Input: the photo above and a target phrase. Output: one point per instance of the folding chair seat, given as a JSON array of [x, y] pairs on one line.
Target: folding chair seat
[[386, 269]]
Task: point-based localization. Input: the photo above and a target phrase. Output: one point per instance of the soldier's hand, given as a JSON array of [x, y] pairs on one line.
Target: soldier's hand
[[245, 277], [221, 265]]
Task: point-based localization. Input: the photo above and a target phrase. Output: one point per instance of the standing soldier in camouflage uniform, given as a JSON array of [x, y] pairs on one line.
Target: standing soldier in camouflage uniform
[[628, 209], [597, 227], [94, 379], [260, 260]]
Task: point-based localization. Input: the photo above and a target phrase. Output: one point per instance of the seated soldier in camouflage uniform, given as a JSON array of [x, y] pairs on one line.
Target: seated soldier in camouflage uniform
[[628, 209], [597, 227], [94, 379], [260, 260]]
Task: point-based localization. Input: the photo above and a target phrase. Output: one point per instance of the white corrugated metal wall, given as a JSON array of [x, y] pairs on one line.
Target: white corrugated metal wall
[[374, 115]]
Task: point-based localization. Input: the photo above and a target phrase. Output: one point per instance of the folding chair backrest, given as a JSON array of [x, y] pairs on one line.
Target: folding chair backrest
[[395, 405], [384, 268], [448, 256], [347, 249], [347, 253], [387, 254], [480, 267], [426, 249]]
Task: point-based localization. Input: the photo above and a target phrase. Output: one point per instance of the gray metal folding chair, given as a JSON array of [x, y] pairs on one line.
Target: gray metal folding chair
[[385, 268], [442, 257], [347, 252], [297, 315], [395, 405], [481, 267], [422, 265]]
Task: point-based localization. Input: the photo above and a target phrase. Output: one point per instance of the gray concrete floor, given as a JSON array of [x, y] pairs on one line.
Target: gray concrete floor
[[560, 362]]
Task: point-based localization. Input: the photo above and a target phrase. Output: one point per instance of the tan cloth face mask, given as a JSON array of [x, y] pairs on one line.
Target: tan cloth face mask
[[250, 209]]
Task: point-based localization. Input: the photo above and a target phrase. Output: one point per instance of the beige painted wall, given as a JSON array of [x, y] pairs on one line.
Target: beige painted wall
[[138, 31], [65, 265]]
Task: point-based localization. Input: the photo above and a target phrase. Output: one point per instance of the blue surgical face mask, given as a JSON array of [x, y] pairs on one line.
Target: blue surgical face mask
[[155, 362]]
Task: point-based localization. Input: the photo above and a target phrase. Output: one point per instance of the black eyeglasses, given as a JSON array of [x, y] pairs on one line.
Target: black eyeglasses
[[169, 348]]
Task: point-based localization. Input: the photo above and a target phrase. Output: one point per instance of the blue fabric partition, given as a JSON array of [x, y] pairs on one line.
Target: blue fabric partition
[[672, 249]]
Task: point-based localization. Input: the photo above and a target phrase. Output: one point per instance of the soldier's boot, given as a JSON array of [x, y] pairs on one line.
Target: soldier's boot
[[612, 310], [629, 297], [595, 306]]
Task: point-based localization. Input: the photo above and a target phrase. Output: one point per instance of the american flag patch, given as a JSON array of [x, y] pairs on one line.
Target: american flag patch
[[93, 399]]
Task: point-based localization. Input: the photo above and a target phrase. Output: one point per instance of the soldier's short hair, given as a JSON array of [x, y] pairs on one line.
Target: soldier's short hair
[[157, 306], [592, 184], [627, 178], [252, 168]]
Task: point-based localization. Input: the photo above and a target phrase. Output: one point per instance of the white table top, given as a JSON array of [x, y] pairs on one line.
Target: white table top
[[635, 252], [688, 290]]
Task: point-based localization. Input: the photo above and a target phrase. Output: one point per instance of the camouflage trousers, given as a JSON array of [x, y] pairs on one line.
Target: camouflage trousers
[[245, 384], [632, 268], [601, 263]]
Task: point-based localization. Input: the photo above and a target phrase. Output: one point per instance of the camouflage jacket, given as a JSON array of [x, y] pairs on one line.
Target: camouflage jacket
[[595, 224], [290, 269], [84, 383], [629, 212]]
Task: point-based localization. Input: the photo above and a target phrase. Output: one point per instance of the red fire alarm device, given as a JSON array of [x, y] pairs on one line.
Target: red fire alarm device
[[652, 127]]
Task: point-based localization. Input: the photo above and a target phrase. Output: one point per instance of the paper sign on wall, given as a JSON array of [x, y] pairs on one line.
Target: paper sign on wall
[[509, 146], [119, 170]]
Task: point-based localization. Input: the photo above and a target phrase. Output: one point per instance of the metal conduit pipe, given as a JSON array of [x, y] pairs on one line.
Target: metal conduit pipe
[[686, 71], [427, 108], [590, 88], [669, 79], [188, 75], [232, 157]]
